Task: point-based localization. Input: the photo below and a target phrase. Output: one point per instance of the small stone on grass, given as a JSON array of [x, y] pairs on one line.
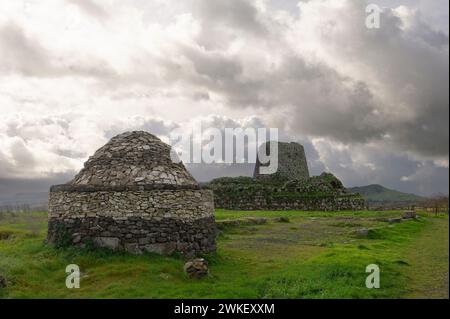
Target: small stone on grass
[[196, 268], [3, 282]]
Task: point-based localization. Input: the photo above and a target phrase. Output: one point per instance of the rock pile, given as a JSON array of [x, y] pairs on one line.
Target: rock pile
[[410, 214], [196, 268], [324, 192], [326, 183], [133, 159], [289, 188]]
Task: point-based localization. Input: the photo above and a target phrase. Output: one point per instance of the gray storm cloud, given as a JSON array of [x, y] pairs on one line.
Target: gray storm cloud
[[405, 65], [369, 105]]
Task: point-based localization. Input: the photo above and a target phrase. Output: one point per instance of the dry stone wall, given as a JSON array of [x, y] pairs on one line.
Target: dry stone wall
[[324, 192], [181, 203], [134, 158], [264, 201], [161, 221], [130, 196]]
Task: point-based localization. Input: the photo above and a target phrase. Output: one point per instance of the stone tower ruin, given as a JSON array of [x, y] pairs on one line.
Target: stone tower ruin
[[291, 163], [131, 196], [289, 188]]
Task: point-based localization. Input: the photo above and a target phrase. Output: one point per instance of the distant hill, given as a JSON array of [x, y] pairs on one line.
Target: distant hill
[[33, 200], [380, 195]]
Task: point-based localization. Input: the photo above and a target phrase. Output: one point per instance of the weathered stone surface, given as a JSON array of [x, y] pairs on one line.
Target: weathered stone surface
[[107, 242], [161, 248], [186, 204], [138, 234], [409, 214], [196, 268], [325, 183], [133, 158], [76, 238], [130, 196], [324, 193], [132, 248], [289, 188], [291, 162]]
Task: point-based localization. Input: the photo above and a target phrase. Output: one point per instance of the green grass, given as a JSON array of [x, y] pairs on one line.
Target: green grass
[[315, 255], [234, 214], [429, 279]]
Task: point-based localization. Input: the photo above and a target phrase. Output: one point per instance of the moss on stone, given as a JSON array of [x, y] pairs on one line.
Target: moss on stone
[[325, 191]]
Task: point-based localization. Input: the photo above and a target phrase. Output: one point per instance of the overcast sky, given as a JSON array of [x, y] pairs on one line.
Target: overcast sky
[[370, 106]]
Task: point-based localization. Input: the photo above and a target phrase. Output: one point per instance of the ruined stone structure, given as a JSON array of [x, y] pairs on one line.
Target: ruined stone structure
[[291, 163], [323, 193], [131, 196], [290, 188]]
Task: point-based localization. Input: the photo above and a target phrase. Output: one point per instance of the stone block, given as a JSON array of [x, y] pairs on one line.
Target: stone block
[[196, 268], [133, 248], [161, 248], [107, 242], [409, 214]]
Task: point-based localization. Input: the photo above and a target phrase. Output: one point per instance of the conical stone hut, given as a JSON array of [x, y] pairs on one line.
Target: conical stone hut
[[131, 196]]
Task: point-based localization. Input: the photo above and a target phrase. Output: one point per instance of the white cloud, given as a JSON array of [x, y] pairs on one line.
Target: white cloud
[[70, 80]]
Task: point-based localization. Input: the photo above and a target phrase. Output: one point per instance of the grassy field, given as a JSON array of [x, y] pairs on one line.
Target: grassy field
[[315, 255]]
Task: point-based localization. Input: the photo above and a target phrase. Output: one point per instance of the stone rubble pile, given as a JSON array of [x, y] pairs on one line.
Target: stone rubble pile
[[196, 268]]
